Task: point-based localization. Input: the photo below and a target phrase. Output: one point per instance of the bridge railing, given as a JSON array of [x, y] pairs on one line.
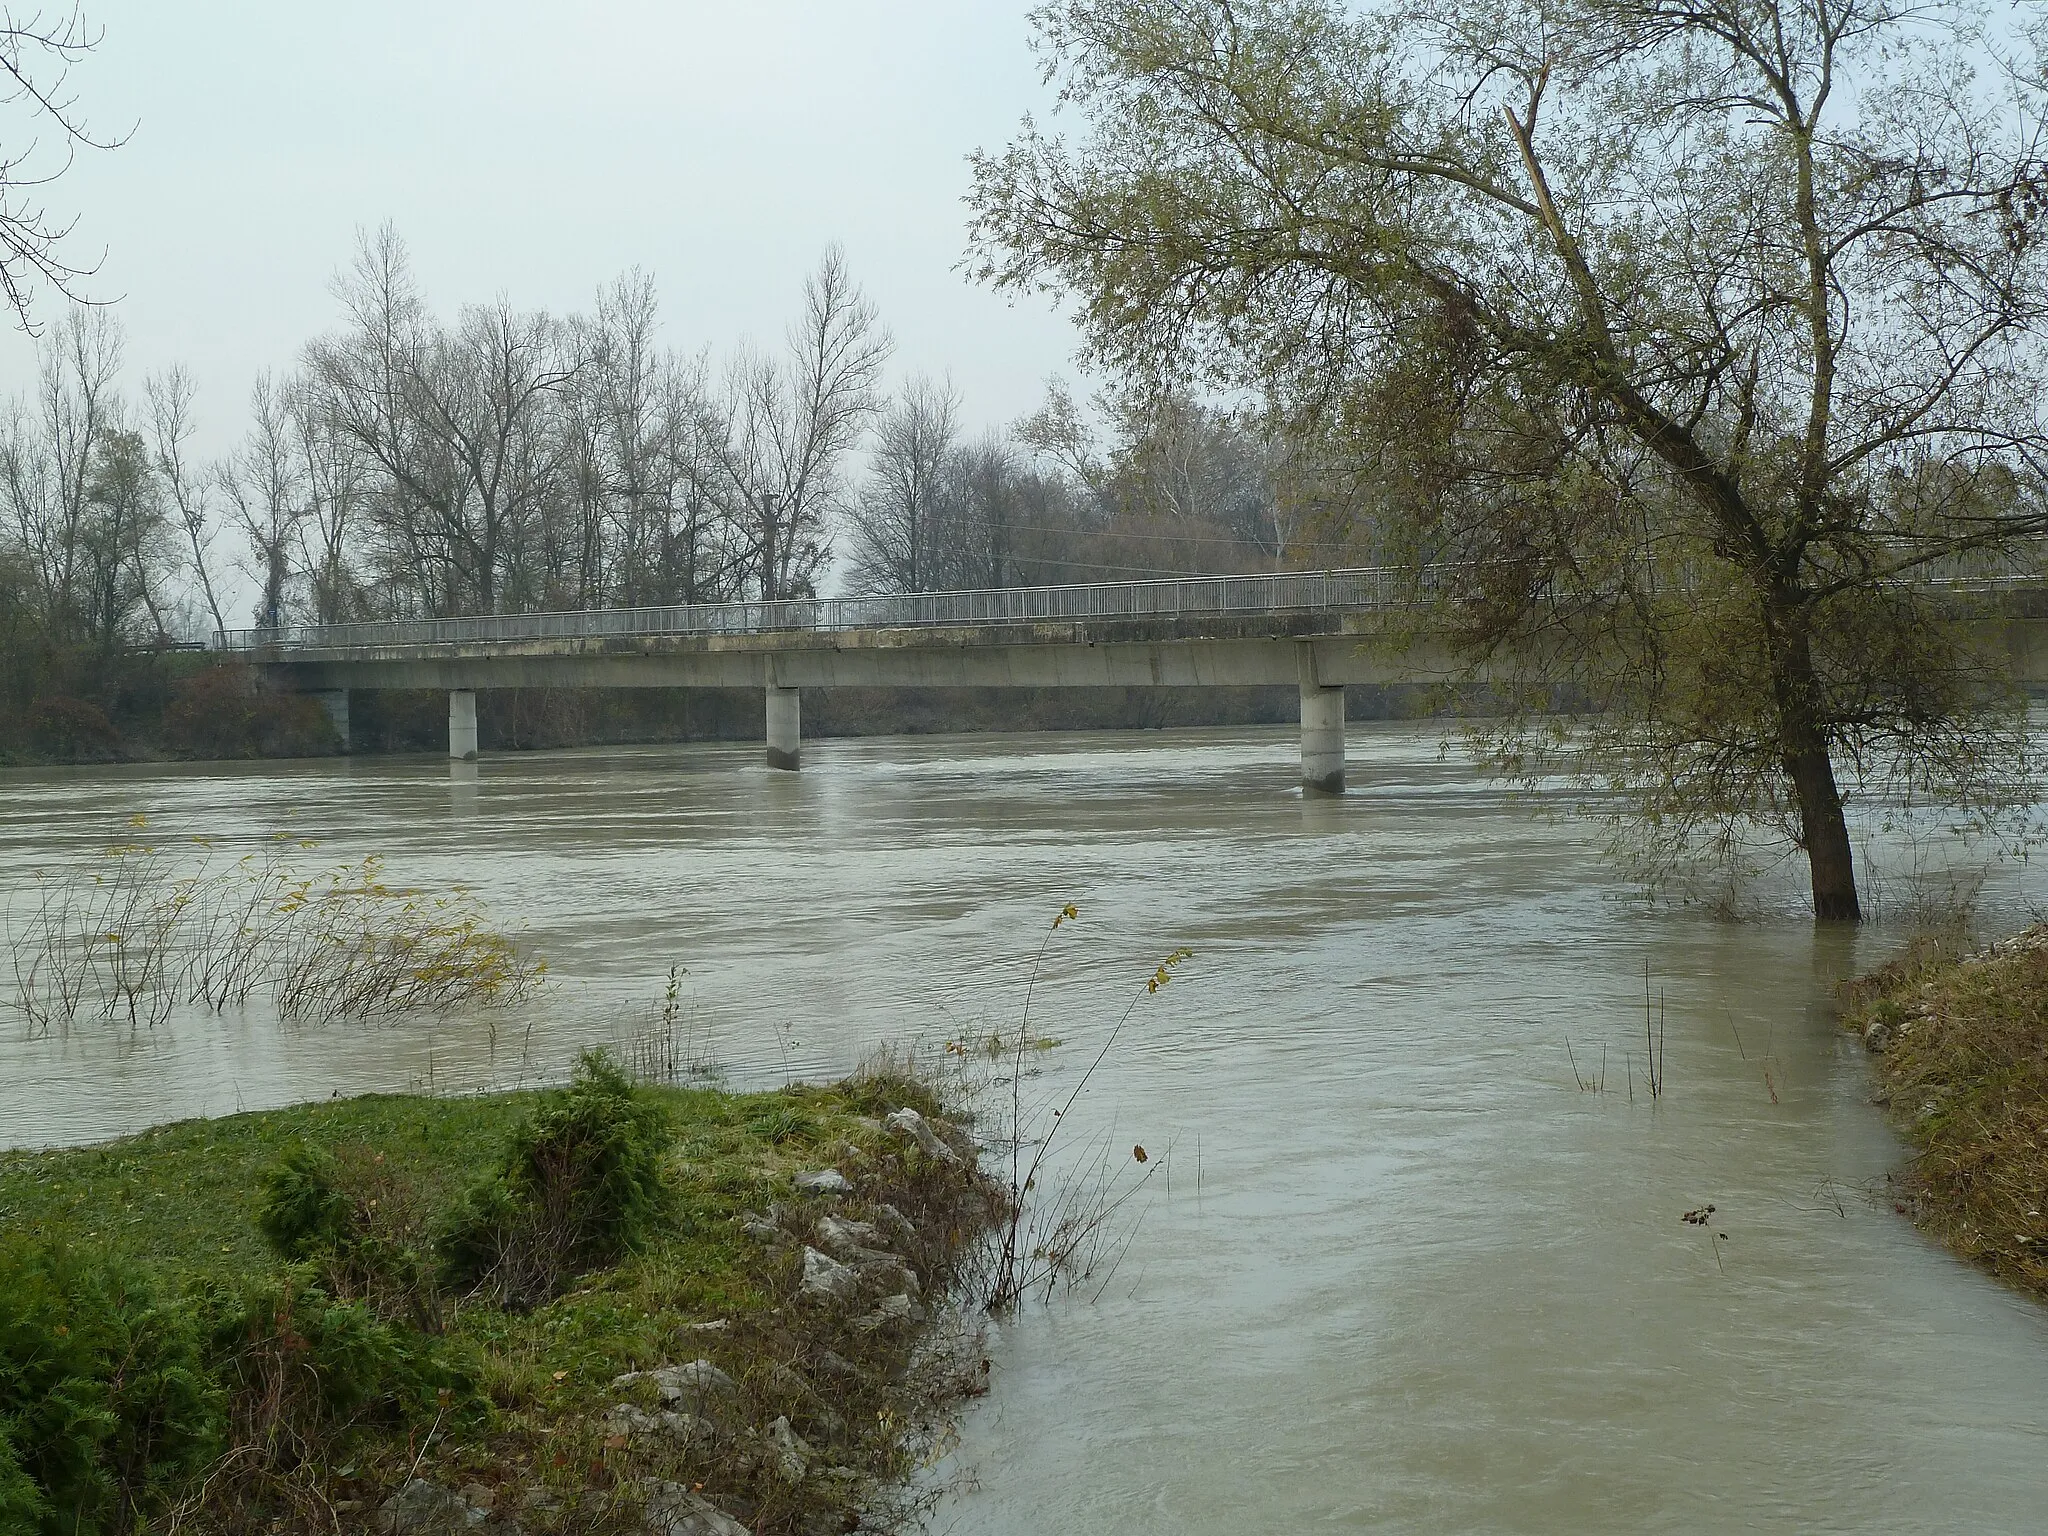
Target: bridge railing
[[1276, 592]]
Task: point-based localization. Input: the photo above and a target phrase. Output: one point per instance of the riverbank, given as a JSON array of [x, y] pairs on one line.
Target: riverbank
[[602, 1308], [1961, 1044]]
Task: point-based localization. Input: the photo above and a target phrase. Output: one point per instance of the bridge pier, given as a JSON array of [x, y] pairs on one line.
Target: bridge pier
[[335, 702], [785, 727], [1322, 739], [462, 724]]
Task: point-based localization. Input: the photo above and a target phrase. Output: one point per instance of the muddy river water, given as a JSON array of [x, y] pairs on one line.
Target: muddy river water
[[1396, 1270]]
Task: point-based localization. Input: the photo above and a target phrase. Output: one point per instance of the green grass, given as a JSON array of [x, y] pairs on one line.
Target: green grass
[[181, 1198]]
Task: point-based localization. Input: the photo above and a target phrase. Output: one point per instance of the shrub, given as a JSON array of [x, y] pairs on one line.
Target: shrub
[[301, 1365], [302, 1211], [105, 1405], [225, 712], [357, 1224], [580, 1184], [73, 730]]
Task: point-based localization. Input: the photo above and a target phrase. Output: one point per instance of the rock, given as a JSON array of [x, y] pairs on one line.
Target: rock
[[846, 1239], [691, 1387], [479, 1496], [897, 1225], [1878, 1037], [422, 1508], [639, 1424], [716, 1325], [791, 1454], [790, 1384], [823, 1181], [835, 1365], [826, 1279], [761, 1230], [893, 1309], [886, 1272], [672, 1510], [909, 1123]]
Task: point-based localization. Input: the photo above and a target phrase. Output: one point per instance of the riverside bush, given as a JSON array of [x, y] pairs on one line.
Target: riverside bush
[[302, 1211], [105, 1402], [579, 1185], [225, 712], [300, 1365], [357, 1225]]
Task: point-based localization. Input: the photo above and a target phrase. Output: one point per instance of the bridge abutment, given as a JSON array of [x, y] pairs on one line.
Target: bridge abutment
[[785, 727], [335, 702], [462, 724], [1322, 739]]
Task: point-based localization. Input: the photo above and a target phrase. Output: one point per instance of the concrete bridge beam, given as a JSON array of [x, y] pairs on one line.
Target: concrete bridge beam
[[462, 724], [1322, 740], [1322, 727], [785, 727]]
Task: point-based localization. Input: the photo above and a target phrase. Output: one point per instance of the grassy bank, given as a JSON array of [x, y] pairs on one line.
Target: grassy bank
[[414, 1314], [1961, 1044]]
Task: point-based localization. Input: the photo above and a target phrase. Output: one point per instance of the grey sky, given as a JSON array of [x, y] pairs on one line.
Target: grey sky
[[539, 149]]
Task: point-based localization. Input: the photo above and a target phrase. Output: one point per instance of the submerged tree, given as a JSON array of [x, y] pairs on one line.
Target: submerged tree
[[1683, 338]]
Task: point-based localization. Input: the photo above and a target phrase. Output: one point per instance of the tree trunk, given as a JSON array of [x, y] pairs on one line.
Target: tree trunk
[[1824, 831]]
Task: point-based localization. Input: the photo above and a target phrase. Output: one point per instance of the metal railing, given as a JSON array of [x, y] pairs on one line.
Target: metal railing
[[1279, 592]]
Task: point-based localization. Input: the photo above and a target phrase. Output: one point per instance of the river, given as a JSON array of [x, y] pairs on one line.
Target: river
[[1395, 1270]]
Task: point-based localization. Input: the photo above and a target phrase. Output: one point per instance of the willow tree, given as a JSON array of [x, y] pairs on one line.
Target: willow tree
[[1685, 340]]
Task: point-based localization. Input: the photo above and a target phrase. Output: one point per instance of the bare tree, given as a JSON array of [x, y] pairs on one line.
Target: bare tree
[[331, 470], [898, 526], [170, 396], [789, 427], [48, 454], [262, 482], [37, 52]]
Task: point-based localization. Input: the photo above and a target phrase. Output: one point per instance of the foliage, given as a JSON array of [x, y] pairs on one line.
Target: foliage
[[73, 729], [580, 1184], [1675, 348], [301, 1366], [104, 1400], [302, 1210]]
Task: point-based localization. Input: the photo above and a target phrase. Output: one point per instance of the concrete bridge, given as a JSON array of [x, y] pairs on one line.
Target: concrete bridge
[[1319, 630]]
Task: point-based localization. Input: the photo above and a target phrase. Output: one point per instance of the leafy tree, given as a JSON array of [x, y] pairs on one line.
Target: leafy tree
[[1683, 338]]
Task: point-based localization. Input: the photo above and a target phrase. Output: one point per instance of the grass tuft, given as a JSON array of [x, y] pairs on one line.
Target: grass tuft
[[1961, 1045]]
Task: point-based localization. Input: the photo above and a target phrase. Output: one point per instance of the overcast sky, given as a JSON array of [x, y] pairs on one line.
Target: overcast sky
[[536, 150]]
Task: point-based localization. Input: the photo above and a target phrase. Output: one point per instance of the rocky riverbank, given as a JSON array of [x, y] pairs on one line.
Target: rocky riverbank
[[1961, 1046], [400, 1314]]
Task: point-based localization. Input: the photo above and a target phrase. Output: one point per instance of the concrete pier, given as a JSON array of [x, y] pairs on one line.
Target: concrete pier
[[1322, 739], [462, 724], [335, 702], [785, 727]]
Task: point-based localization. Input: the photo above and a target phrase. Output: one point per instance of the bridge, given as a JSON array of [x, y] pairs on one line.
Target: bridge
[[1320, 630]]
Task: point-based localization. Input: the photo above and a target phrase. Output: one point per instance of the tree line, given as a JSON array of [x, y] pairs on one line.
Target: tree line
[[410, 465]]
